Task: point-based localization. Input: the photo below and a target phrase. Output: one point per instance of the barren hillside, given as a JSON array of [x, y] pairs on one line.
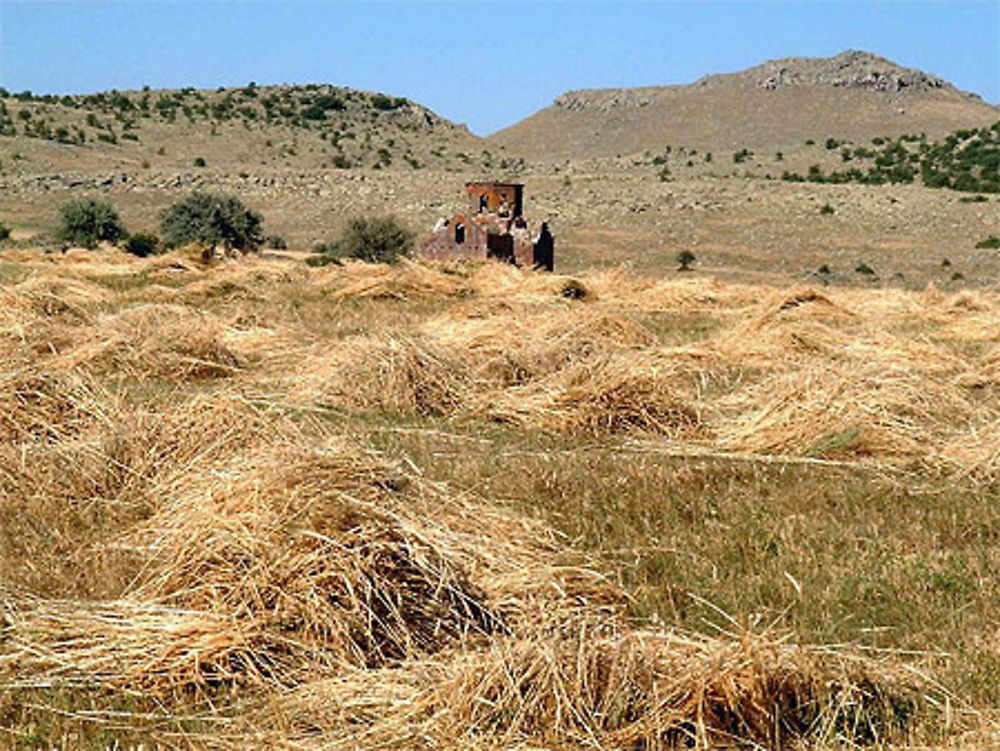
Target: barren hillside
[[778, 104]]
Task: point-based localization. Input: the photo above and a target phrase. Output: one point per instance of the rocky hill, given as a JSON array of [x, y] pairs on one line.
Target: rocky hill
[[779, 104], [234, 129]]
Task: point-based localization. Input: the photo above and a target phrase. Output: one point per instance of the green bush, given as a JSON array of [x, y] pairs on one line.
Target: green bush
[[142, 244], [276, 242], [384, 103], [325, 254], [684, 259], [213, 219], [376, 240], [990, 242], [199, 161], [4, 232], [826, 209], [87, 221]]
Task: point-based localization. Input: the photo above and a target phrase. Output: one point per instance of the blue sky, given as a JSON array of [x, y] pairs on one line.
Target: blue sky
[[482, 63]]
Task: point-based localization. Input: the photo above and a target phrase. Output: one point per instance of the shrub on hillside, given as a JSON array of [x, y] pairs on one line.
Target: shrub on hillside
[[142, 244], [87, 221], [864, 269], [4, 232], [213, 219], [376, 240]]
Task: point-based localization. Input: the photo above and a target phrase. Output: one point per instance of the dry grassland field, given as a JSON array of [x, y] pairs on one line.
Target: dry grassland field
[[251, 503], [257, 504]]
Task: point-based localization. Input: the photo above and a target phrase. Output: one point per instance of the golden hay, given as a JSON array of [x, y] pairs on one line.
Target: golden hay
[[510, 346], [390, 373], [323, 568], [250, 279], [610, 395], [984, 373], [130, 644], [356, 279], [868, 412], [698, 294], [37, 405], [503, 280], [291, 562], [61, 497], [591, 683], [156, 341], [58, 296]]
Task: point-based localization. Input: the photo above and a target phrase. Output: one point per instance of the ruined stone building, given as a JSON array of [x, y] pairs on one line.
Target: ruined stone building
[[493, 227]]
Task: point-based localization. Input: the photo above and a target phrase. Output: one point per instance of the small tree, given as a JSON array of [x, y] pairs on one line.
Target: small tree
[[213, 219], [376, 240], [87, 221], [685, 258]]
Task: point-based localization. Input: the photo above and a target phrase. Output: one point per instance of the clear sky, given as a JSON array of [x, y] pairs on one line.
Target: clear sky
[[482, 63]]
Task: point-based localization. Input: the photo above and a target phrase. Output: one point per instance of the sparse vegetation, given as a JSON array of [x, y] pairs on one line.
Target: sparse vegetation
[[967, 160], [86, 222], [742, 155], [990, 242]]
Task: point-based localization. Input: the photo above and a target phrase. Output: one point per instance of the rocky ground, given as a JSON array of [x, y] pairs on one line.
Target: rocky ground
[[602, 213]]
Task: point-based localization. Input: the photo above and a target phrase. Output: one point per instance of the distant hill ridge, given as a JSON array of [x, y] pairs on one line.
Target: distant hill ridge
[[852, 69], [296, 126], [854, 95]]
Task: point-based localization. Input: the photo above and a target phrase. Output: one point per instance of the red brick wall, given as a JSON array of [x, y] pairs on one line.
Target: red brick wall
[[496, 194]]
